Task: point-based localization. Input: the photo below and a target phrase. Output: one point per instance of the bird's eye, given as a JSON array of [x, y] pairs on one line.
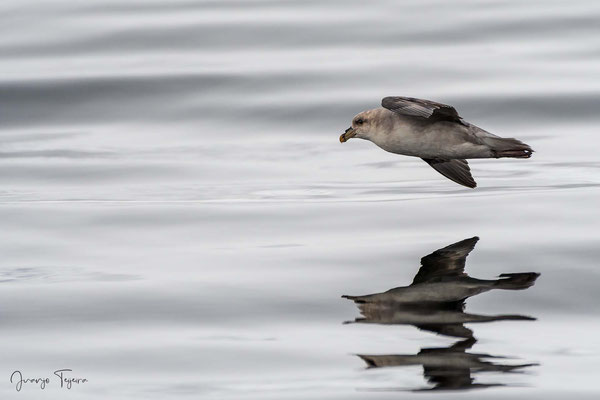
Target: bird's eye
[[359, 121]]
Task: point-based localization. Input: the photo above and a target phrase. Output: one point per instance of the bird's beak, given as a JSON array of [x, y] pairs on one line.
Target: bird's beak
[[350, 133]]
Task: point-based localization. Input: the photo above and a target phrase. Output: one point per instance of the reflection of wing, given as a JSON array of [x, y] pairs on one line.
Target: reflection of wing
[[459, 347], [453, 330], [457, 379], [449, 261]]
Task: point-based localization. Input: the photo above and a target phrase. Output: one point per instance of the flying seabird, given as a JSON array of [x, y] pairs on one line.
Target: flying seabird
[[435, 133]]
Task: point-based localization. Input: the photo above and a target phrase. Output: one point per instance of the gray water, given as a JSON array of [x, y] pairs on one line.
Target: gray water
[[179, 219]]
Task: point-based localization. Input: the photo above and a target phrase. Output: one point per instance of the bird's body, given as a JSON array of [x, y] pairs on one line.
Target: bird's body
[[418, 137], [434, 132]]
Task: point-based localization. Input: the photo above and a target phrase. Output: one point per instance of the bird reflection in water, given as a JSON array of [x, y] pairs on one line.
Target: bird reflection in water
[[435, 302]]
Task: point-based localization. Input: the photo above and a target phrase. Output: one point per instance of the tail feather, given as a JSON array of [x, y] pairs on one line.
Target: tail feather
[[514, 317], [516, 281], [508, 147]]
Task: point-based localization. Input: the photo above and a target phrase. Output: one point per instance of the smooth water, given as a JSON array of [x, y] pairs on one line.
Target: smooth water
[[179, 219]]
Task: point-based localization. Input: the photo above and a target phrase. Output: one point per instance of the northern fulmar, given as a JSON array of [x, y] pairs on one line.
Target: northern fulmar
[[435, 133]]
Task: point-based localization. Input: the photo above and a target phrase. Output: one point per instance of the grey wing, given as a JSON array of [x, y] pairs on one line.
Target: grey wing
[[420, 108], [456, 170], [448, 261]]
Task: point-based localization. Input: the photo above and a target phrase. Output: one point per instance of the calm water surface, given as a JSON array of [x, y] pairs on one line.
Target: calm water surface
[[179, 219]]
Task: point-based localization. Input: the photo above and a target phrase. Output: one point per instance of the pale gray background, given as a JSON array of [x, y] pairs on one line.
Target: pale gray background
[[179, 219]]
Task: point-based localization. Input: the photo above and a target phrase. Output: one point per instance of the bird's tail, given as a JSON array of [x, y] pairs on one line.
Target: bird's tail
[[516, 281], [508, 147]]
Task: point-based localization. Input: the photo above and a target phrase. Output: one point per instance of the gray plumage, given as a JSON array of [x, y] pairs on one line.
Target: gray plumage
[[434, 132], [420, 108]]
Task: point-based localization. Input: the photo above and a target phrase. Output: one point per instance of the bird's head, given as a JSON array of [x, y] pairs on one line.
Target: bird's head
[[363, 126]]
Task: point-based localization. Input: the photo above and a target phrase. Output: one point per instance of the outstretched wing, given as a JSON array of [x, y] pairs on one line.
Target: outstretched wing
[[449, 261], [420, 108], [456, 170]]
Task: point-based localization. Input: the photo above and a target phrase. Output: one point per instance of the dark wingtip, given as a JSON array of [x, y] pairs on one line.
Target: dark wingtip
[[457, 170], [470, 184]]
